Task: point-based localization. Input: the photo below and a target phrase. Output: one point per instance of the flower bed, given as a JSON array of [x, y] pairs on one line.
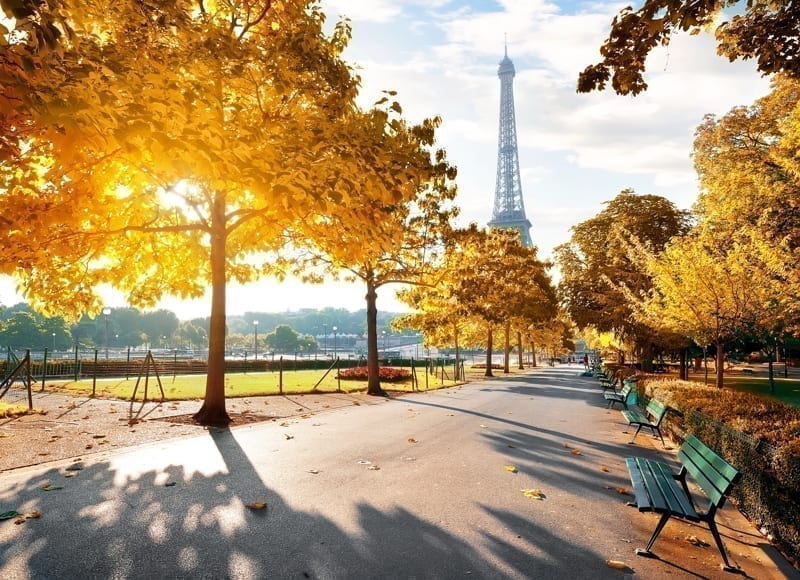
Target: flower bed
[[387, 374]]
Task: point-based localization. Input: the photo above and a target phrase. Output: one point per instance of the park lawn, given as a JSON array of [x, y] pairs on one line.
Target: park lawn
[[786, 390], [187, 387]]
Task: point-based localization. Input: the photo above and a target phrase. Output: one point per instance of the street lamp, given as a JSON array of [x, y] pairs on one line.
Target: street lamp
[[54, 342], [383, 332], [325, 338], [106, 312], [334, 342], [255, 339]]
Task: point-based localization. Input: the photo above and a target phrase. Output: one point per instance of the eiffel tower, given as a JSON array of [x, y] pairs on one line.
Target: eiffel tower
[[509, 210]]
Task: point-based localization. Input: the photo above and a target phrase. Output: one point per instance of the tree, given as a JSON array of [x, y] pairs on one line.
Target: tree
[[764, 31], [710, 291], [487, 280], [597, 271], [283, 339], [174, 144], [393, 238]]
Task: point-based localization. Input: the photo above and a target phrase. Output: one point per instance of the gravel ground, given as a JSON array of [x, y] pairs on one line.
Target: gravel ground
[[64, 426]]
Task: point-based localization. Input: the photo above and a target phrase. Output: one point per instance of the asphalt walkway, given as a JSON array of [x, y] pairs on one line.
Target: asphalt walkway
[[513, 477]]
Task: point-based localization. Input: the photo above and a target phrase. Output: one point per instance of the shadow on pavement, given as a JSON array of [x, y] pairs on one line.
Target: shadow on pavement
[[187, 523]]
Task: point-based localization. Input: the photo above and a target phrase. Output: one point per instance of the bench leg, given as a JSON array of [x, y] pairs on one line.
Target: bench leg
[[714, 532], [646, 551], [657, 430], [639, 428]]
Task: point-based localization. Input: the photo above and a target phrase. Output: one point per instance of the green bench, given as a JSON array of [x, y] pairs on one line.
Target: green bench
[[658, 489], [618, 396], [651, 417]]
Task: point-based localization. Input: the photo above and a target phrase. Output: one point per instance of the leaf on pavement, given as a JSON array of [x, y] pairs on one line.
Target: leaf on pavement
[[374, 468], [257, 505], [314, 471], [622, 490], [483, 426], [616, 564], [4, 435], [576, 452], [50, 487], [511, 468], [533, 493], [604, 469], [412, 440], [8, 515], [287, 436], [696, 541]]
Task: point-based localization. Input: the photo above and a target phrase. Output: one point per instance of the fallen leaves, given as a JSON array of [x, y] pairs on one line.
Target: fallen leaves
[[622, 490], [35, 514], [287, 436], [511, 468], [576, 452], [8, 515], [604, 469], [374, 468], [257, 505], [616, 564], [533, 493], [50, 487], [412, 440], [694, 540]]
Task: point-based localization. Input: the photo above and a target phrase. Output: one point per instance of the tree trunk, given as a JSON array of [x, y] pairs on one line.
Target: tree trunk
[[213, 411], [507, 350], [373, 364], [683, 373], [720, 370], [457, 376], [533, 354], [488, 372], [519, 346], [772, 355]]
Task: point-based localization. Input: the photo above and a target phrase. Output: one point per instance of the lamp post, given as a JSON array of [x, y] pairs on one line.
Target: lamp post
[[255, 339], [383, 332], [106, 312], [325, 338], [334, 342], [54, 342]]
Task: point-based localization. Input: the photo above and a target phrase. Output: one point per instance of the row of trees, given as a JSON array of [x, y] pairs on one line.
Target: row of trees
[[659, 277], [22, 327], [166, 148]]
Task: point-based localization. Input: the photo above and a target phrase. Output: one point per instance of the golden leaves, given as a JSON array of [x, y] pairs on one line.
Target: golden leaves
[[257, 505], [533, 494], [510, 468]]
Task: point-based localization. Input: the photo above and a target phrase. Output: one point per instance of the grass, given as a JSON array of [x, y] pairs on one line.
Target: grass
[[188, 387], [786, 390]]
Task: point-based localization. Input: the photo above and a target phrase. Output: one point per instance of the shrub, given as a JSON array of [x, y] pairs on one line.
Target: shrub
[[759, 436], [387, 374]]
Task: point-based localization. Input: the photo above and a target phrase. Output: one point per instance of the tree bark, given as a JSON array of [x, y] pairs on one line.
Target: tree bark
[[507, 350], [519, 347], [488, 372], [720, 370], [213, 411], [533, 354], [373, 364], [457, 370], [683, 373]]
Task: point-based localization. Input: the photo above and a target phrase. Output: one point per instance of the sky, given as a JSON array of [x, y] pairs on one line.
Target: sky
[[576, 151]]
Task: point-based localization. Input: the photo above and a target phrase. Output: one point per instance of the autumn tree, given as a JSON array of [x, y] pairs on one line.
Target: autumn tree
[[400, 194], [167, 148], [489, 281], [597, 270], [711, 290], [764, 31]]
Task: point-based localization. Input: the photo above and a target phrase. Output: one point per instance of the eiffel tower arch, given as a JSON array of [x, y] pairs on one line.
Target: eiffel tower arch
[[509, 209]]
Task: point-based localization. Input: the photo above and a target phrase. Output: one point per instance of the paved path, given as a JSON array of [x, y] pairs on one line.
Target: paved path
[[414, 487]]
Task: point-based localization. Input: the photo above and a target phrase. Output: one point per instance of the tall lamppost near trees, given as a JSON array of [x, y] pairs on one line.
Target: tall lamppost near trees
[[106, 312], [334, 342], [255, 340], [325, 338], [54, 342]]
